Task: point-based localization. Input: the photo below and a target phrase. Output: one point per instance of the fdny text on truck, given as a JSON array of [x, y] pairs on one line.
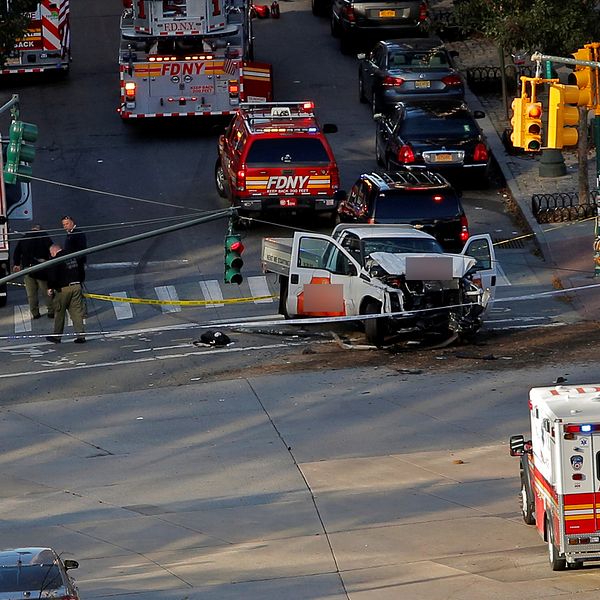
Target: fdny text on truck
[[46, 44], [188, 58], [560, 472]]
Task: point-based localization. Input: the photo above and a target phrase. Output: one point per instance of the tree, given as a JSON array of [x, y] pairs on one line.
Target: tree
[[552, 27], [14, 20], [555, 27]]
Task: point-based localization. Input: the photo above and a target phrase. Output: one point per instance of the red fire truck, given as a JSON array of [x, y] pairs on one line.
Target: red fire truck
[[188, 58], [46, 45], [560, 472]]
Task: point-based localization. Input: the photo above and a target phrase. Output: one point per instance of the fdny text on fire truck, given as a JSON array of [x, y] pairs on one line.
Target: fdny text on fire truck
[[188, 58]]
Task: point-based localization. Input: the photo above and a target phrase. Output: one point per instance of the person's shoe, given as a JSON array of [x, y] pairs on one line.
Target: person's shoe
[[79, 340], [36, 316], [51, 315], [53, 338]]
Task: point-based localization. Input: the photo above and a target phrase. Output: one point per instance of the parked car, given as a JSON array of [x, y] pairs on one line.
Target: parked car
[[405, 70], [36, 573], [353, 20], [441, 136], [410, 196]]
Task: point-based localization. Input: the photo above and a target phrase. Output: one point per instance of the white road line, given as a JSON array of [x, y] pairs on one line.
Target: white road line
[[209, 351], [167, 292], [259, 287], [22, 318], [127, 265], [122, 310], [501, 278], [211, 290]]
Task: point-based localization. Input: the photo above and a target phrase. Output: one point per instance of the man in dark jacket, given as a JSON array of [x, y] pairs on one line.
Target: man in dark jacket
[[75, 241], [66, 289], [32, 249]]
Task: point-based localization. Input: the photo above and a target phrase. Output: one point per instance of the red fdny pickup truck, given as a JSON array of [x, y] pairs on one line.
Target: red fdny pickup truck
[[274, 156]]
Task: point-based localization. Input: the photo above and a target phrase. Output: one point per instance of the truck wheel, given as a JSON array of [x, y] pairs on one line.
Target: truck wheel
[[556, 562], [220, 179], [375, 329], [283, 296], [527, 502], [335, 28]]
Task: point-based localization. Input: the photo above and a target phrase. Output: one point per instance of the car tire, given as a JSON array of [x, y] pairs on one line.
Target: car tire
[[556, 562], [220, 179], [375, 103], [375, 329], [361, 89], [527, 502], [380, 160], [334, 26], [318, 8]]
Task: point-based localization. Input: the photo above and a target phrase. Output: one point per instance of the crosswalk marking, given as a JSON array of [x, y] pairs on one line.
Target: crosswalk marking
[[211, 290], [259, 287], [167, 292], [122, 310], [22, 318]]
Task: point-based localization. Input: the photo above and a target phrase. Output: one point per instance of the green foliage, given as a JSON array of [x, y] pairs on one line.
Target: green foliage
[[13, 23], [557, 27]]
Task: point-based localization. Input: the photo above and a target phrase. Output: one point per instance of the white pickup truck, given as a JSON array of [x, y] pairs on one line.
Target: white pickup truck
[[393, 270]]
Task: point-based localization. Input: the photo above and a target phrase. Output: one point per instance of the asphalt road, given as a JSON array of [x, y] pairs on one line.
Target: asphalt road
[[329, 484]]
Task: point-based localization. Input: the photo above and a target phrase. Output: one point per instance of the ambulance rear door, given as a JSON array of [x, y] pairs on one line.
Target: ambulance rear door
[[579, 459]]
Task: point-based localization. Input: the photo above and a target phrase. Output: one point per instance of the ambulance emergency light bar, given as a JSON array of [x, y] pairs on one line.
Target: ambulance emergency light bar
[[282, 110], [585, 428]]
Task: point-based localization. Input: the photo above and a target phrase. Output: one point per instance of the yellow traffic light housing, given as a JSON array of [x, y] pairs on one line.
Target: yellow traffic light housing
[[518, 123], [563, 117], [532, 136], [583, 78]]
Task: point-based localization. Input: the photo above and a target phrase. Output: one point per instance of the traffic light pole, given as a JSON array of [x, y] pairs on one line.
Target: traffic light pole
[[213, 216], [13, 103], [539, 57]]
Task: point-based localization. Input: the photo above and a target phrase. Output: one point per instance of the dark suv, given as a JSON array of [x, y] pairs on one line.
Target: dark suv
[[417, 197], [352, 19]]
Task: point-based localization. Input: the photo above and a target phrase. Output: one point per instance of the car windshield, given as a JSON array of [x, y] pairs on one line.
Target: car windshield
[[287, 151], [426, 125], [400, 245], [31, 578], [422, 60], [402, 207]]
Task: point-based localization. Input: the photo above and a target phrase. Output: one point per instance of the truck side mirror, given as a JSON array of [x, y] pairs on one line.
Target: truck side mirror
[[517, 445], [330, 128]]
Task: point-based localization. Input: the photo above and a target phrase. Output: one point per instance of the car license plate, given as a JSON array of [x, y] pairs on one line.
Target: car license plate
[[288, 201], [422, 84], [445, 157], [387, 13]]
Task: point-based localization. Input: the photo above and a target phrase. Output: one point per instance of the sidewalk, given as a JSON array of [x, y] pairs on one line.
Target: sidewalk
[[567, 246]]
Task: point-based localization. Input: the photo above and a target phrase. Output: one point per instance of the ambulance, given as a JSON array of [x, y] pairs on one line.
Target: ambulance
[[560, 472]]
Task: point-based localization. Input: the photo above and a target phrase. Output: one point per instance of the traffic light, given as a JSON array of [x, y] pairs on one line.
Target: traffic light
[[20, 152], [517, 122], [563, 117], [583, 78], [233, 259], [532, 130]]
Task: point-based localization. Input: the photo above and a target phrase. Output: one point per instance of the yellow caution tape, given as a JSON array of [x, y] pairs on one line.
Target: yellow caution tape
[[178, 302]]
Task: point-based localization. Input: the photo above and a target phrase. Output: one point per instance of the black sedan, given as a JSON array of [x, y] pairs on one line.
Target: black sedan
[[440, 136], [405, 70]]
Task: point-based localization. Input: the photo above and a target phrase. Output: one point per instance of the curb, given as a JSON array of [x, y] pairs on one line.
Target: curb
[[497, 148]]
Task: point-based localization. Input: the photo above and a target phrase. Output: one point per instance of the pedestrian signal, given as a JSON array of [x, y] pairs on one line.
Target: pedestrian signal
[[233, 259], [563, 116]]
